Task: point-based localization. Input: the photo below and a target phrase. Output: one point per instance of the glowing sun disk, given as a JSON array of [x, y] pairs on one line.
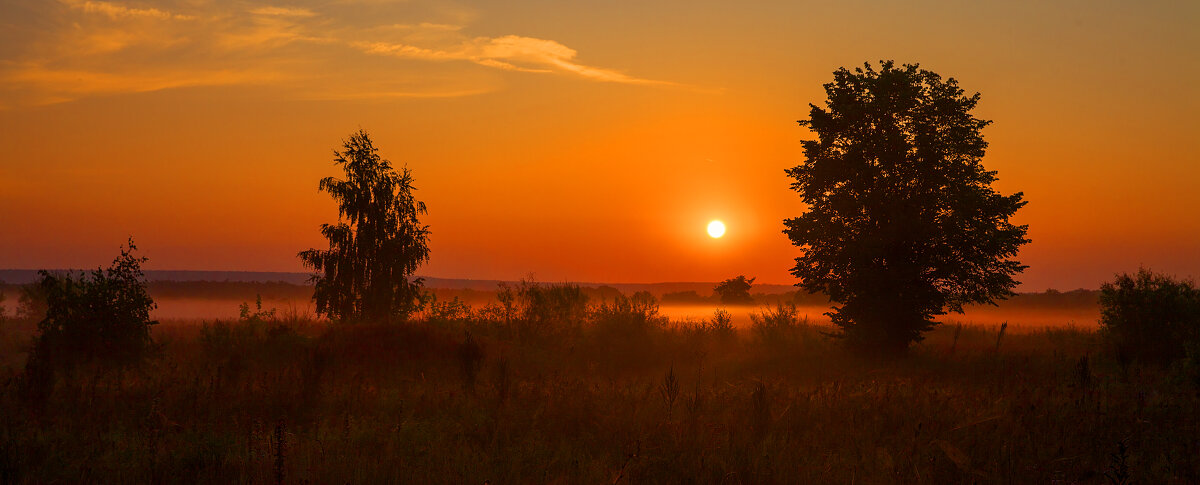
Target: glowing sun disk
[[716, 229]]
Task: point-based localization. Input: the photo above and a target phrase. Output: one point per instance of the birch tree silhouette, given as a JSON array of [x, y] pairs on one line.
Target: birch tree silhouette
[[377, 244]]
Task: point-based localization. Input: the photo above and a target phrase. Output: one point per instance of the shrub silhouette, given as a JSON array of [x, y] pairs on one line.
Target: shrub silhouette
[[443, 311], [721, 323], [543, 305], [629, 316], [531, 310], [902, 221], [101, 320], [776, 324], [373, 253], [1150, 317], [258, 315], [735, 291]]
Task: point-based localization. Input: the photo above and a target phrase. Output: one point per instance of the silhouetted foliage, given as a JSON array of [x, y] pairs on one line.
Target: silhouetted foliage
[[631, 316], [722, 323], [99, 319], [1150, 317], [902, 221], [735, 291], [31, 304], [775, 324], [376, 245], [601, 293], [689, 296], [548, 308], [453, 309], [214, 407], [258, 315]]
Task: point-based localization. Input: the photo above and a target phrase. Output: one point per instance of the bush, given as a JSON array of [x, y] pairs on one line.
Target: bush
[[775, 324], [446, 311], [102, 318], [721, 323], [1150, 317], [543, 311], [101, 321], [258, 315], [552, 304], [630, 316]]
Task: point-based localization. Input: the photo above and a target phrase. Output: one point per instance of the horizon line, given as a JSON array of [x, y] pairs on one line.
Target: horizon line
[[497, 280]]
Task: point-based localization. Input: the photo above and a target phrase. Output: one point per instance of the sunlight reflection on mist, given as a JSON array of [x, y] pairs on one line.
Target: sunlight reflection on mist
[[210, 309]]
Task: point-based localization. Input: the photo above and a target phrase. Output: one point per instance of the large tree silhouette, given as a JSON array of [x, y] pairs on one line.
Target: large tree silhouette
[[377, 243], [902, 222]]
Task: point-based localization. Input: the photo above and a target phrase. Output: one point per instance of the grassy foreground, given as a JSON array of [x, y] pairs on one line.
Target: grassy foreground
[[607, 401]]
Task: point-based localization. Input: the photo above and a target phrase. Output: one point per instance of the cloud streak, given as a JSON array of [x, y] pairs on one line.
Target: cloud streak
[[284, 11], [510, 53], [116, 11], [110, 48]]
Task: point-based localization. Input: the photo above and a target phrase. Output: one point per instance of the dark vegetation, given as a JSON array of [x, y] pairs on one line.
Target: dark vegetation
[[1151, 317], [547, 385], [281, 294], [902, 222], [735, 291], [93, 323], [377, 243]]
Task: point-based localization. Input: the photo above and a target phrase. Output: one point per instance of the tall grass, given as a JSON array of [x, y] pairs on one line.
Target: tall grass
[[618, 394]]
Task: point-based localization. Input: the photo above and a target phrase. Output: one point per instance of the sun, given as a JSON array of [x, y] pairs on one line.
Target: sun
[[716, 229]]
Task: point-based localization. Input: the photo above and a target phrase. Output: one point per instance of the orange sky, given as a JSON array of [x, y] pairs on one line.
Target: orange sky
[[587, 141]]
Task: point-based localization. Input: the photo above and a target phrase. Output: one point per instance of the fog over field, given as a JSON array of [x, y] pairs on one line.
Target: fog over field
[[1017, 316], [211, 295]]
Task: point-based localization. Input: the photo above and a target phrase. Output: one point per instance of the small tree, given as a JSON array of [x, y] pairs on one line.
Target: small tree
[[902, 221], [1150, 317], [735, 291], [102, 318], [377, 244]]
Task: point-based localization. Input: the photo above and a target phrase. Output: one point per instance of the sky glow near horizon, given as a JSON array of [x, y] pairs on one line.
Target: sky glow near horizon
[[572, 140]]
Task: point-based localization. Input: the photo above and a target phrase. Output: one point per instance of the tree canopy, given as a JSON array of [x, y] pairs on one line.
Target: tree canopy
[[902, 222], [735, 291], [377, 244]]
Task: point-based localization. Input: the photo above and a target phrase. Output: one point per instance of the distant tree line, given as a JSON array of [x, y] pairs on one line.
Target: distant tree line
[[25, 302]]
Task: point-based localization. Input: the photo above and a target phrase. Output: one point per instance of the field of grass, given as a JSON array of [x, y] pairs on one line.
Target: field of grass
[[613, 396]]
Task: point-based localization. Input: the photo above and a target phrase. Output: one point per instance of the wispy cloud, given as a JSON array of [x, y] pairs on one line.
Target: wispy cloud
[[511, 53], [344, 95], [284, 11], [312, 50], [77, 83], [116, 11]]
